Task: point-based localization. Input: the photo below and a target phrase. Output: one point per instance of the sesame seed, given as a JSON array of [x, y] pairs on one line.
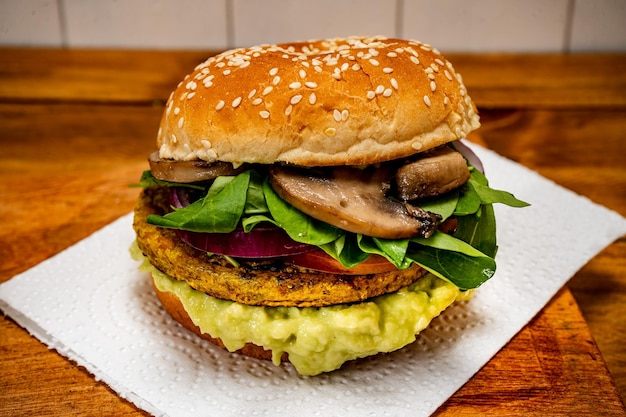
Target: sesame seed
[[371, 94], [387, 70], [273, 71], [446, 100], [414, 60], [387, 92], [439, 61], [345, 66], [380, 89], [190, 95], [316, 62], [257, 101], [434, 67], [431, 76], [180, 122], [288, 110], [296, 99], [264, 114], [356, 67], [236, 102], [337, 115], [394, 83], [206, 143], [433, 86], [176, 110], [302, 73], [244, 64], [310, 84], [330, 131], [416, 145], [374, 62], [294, 85], [344, 115], [427, 100], [226, 72], [312, 98], [173, 138], [447, 74], [276, 80], [267, 90], [392, 54], [317, 68], [191, 85], [207, 83], [220, 105], [252, 93]]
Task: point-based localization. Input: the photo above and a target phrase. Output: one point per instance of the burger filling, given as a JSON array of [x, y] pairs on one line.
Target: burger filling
[[391, 211]]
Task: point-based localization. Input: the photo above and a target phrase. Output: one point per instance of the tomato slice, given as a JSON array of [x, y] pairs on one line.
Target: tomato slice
[[318, 260]]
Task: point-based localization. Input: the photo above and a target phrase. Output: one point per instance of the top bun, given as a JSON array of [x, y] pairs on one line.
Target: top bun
[[351, 101]]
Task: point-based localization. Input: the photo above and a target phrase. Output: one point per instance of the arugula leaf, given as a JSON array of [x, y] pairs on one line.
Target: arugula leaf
[[218, 212]]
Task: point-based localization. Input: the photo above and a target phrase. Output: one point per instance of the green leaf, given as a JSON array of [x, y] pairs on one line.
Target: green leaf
[[464, 271], [489, 196], [218, 212], [255, 199], [469, 201], [447, 242], [147, 180], [479, 230], [346, 250], [299, 226], [443, 205]]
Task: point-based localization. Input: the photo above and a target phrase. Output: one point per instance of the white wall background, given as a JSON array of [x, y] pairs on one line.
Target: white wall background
[[450, 25]]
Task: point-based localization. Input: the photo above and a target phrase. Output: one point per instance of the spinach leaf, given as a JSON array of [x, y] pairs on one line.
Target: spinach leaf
[[464, 271], [444, 205], [217, 212], [479, 230], [147, 180], [299, 226]]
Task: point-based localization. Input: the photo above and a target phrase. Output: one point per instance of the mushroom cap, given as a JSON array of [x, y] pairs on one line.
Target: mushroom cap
[[352, 101]]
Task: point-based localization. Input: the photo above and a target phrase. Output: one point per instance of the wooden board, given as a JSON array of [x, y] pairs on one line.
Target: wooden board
[[67, 156]]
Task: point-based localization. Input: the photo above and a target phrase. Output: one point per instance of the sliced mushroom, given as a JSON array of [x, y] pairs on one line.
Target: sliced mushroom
[[353, 200], [188, 171], [436, 173]]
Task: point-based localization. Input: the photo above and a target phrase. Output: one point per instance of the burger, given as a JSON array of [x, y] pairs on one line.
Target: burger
[[312, 202]]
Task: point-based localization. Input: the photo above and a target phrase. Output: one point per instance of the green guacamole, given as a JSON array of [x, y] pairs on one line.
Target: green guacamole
[[317, 339]]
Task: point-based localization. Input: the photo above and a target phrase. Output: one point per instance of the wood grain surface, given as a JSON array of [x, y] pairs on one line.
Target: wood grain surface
[[77, 126]]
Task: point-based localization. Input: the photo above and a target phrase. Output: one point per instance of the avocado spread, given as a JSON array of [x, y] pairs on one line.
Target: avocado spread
[[317, 339]]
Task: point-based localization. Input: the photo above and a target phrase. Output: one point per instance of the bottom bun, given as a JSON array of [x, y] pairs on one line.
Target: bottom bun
[[172, 304]]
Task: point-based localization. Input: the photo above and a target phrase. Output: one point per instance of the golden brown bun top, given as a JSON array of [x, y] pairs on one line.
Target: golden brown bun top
[[351, 101]]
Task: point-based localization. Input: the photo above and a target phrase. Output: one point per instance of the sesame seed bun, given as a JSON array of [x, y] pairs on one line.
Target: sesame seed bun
[[351, 101]]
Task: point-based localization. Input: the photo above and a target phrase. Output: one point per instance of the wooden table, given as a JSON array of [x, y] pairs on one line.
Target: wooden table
[[76, 127]]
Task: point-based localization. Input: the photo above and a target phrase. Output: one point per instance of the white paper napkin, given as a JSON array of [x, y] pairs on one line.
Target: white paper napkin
[[91, 304]]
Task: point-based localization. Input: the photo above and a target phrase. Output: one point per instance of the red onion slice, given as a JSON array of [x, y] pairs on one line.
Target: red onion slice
[[263, 241], [260, 242], [469, 154]]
